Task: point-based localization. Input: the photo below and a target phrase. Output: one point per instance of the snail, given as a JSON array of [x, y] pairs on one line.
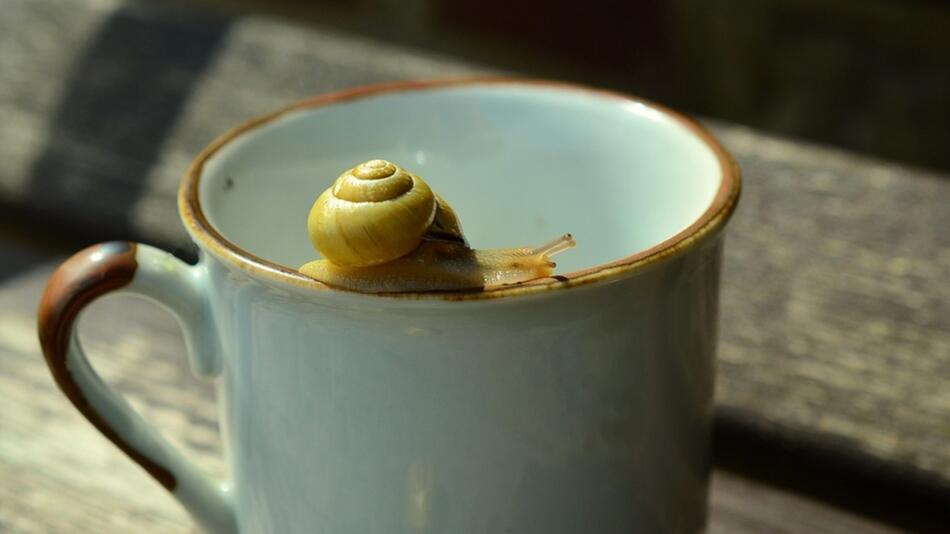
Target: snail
[[380, 229]]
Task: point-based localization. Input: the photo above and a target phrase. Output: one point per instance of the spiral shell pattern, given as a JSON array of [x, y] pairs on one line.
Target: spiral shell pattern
[[374, 213]]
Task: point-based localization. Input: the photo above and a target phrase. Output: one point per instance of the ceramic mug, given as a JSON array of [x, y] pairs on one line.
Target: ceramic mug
[[579, 403]]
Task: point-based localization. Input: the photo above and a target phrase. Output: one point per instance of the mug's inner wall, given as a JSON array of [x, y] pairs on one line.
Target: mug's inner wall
[[520, 164]]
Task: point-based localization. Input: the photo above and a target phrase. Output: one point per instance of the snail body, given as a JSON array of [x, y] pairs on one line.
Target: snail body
[[381, 228], [443, 266]]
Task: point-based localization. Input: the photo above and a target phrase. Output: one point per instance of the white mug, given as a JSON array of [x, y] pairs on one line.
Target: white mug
[[578, 403]]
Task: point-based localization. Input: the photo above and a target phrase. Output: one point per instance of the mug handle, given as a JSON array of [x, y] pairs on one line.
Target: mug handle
[[142, 270]]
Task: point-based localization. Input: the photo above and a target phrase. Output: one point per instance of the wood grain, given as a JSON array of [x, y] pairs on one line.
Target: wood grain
[[836, 301], [58, 474], [75, 92]]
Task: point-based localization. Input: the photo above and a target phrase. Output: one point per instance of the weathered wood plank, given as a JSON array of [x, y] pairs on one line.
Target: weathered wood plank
[[105, 103], [59, 475], [739, 505], [836, 306], [836, 302]]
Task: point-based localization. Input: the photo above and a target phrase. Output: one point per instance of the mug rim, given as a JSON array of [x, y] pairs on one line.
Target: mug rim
[[708, 224]]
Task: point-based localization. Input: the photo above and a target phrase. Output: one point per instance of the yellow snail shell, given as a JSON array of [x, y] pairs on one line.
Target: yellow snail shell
[[374, 213], [381, 228]]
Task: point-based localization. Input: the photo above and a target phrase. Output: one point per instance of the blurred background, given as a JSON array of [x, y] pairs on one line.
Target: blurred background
[[833, 412], [867, 75]]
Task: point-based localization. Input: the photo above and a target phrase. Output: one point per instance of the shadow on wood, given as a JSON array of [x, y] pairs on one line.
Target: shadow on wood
[[889, 492]]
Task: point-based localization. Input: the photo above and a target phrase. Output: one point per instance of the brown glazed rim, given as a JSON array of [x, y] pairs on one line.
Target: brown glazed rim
[[708, 224]]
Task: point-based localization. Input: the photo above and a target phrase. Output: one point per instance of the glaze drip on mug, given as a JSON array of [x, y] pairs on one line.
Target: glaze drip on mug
[[381, 229]]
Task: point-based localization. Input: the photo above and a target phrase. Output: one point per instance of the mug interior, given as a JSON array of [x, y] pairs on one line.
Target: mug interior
[[521, 165]]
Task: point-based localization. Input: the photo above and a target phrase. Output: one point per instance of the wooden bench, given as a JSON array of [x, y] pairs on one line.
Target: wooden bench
[[833, 405]]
